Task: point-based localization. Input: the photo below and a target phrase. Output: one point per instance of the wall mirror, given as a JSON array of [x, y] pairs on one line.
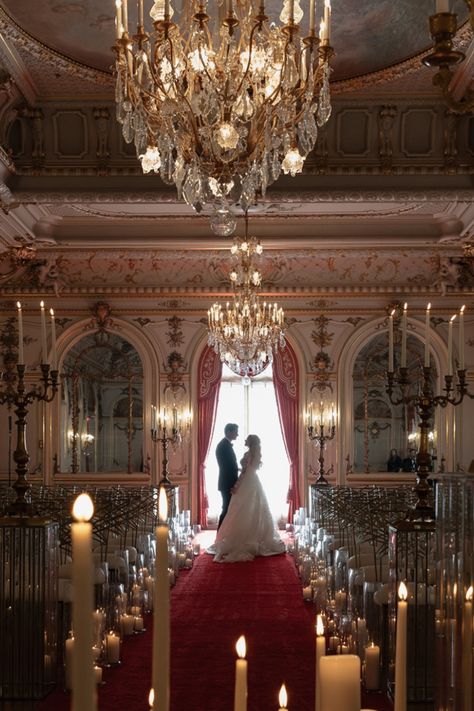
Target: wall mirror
[[102, 406], [379, 426]]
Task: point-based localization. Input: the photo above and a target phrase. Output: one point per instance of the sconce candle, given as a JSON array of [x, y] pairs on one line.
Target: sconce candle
[[44, 346], [390, 342], [403, 358], [461, 338], [83, 679], [53, 338], [450, 345], [21, 357], [400, 703], [161, 615], [427, 336], [240, 691]]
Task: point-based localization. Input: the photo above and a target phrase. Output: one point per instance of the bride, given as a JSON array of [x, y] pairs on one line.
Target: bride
[[248, 529]]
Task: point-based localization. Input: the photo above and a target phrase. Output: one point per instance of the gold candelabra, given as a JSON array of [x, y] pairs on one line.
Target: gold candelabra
[[425, 402], [320, 433], [160, 433], [20, 398]]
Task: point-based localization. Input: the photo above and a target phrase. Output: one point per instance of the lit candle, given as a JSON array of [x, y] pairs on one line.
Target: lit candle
[[340, 682], [442, 6], [98, 674], [69, 654], [467, 649], [400, 703], [161, 616], [322, 31], [327, 18], [390, 341], [44, 346], [372, 667], [403, 358], [151, 699], [450, 345], [427, 336], [311, 16], [283, 698], [112, 648], [53, 339], [21, 357], [83, 681], [320, 652], [240, 692], [461, 338]]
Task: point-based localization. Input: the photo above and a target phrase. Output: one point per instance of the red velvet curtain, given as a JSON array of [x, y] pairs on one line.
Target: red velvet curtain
[[209, 378], [286, 382]]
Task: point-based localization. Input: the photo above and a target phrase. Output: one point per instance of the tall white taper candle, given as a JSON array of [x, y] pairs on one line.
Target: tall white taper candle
[[400, 703], [390, 341], [83, 679], [54, 359], [44, 346], [450, 345], [240, 691], [21, 357], [467, 670], [462, 364], [403, 357], [161, 612], [427, 336], [320, 652]]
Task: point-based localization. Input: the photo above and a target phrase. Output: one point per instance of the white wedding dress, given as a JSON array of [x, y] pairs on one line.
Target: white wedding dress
[[247, 529]]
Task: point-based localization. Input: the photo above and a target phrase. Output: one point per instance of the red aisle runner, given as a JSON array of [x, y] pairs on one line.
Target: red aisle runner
[[212, 605]]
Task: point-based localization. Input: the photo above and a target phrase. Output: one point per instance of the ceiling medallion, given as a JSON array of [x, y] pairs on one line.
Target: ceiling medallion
[[220, 104], [246, 333]]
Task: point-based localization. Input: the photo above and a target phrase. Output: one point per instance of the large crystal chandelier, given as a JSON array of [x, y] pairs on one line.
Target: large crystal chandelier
[[246, 332], [220, 103]]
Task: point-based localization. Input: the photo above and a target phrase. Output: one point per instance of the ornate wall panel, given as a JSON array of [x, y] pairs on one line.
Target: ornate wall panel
[[70, 133], [418, 128]]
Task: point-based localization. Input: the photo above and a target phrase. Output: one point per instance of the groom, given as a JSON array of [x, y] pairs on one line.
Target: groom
[[228, 469]]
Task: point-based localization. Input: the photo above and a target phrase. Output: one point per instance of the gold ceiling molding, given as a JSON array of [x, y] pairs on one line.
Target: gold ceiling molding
[[21, 40]]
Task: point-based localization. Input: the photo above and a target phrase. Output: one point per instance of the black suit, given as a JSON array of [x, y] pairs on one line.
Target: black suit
[[228, 473]]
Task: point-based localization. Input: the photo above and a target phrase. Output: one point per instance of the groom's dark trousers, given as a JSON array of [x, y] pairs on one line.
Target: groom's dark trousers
[[228, 473]]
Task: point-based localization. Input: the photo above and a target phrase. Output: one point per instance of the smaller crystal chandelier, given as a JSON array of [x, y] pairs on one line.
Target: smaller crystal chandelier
[[246, 332]]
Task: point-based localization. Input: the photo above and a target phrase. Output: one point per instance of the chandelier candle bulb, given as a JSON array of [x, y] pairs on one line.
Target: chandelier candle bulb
[[442, 6], [240, 691], [140, 14], [327, 19], [427, 336], [311, 16], [400, 702], [118, 18], [390, 341], [450, 345], [83, 681], [403, 358], [21, 357], [461, 338], [161, 615], [320, 652], [44, 345]]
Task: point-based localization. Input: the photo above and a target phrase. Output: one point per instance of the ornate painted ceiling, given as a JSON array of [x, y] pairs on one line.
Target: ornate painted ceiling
[[385, 205]]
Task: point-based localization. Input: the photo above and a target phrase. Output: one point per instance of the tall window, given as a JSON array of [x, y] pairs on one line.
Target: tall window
[[253, 407]]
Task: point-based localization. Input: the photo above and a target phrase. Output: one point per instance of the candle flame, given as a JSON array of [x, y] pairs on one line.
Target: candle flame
[[402, 591], [18, 305], [83, 508], [162, 505], [319, 626], [428, 307], [405, 306], [469, 594], [392, 313], [151, 698], [452, 318], [283, 696], [461, 310], [241, 647], [327, 3], [42, 304], [51, 311]]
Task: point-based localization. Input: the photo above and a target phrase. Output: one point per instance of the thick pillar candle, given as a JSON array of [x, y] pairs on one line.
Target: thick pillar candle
[[372, 667], [400, 703], [161, 612], [320, 652], [240, 691], [83, 679], [21, 357], [340, 682]]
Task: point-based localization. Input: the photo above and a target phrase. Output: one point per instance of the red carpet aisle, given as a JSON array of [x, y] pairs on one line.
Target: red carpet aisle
[[212, 605]]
